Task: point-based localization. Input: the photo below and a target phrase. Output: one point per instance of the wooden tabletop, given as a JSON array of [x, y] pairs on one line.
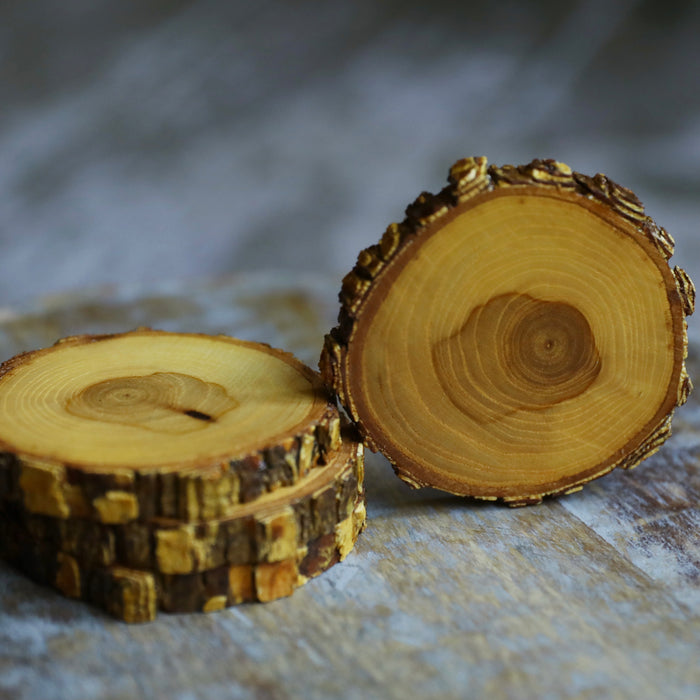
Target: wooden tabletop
[[593, 595]]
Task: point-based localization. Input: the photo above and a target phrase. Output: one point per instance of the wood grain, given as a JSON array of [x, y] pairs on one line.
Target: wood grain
[[597, 595], [517, 335], [133, 426]]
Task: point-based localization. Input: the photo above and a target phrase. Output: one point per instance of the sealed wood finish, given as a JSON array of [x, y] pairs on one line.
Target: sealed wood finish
[[518, 335], [129, 427]]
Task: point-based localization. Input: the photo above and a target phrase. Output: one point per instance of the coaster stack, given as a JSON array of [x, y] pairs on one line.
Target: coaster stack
[[182, 472]]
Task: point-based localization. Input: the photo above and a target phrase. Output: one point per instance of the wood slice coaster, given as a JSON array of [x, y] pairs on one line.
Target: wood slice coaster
[[517, 335], [148, 424], [261, 554]]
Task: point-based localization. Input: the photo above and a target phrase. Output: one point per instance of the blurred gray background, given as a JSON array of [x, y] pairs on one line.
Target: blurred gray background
[[149, 141]]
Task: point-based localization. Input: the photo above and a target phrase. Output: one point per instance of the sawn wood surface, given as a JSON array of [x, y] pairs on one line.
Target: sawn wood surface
[[593, 595]]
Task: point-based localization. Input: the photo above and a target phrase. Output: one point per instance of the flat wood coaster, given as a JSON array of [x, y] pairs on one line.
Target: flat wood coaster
[[133, 426], [517, 335], [268, 529], [262, 554]]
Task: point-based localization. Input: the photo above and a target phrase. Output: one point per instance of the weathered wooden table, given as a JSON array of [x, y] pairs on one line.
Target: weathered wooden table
[[594, 595]]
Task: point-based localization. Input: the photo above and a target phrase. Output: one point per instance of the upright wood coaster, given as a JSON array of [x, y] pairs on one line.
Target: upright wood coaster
[[150, 424], [517, 335]]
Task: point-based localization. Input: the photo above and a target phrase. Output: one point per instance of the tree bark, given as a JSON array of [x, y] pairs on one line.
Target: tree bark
[[262, 551], [266, 530]]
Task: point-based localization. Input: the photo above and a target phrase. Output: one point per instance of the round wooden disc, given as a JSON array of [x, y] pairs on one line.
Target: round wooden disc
[[518, 335], [151, 423]]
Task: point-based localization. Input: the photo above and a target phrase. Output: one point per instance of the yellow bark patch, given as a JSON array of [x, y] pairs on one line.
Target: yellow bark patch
[[68, 576], [174, 550], [278, 580], [117, 507], [42, 486], [137, 602], [217, 602], [280, 536], [240, 581]]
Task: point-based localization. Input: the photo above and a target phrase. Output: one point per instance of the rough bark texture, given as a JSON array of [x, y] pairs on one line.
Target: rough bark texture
[[132, 570], [267, 530], [191, 492], [469, 179]]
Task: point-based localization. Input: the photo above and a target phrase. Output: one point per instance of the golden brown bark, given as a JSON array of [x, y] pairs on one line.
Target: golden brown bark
[[263, 551], [266, 530]]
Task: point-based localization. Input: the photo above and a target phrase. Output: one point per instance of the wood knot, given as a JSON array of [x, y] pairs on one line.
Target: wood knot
[[517, 353]]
